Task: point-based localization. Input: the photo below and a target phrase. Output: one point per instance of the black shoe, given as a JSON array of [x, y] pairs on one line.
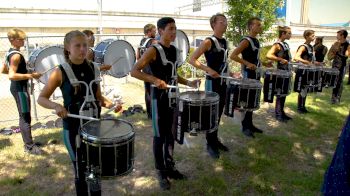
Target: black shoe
[[302, 111], [254, 129], [163, 180], [286, 117], [221, 146], [213, 151], [173, 173], [247, 132], [280, 118]]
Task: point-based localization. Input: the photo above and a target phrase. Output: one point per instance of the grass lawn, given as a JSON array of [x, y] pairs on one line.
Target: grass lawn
[[287, 159]]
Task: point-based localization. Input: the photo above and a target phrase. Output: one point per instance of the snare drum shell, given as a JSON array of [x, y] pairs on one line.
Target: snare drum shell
[[114, 155], [197, 111]]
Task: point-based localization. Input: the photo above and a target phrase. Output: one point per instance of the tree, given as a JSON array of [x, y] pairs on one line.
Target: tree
[[239, 12]]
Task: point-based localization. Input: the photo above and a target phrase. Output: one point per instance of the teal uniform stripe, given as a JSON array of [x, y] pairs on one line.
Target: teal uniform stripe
[[68, 144], [208, 86], [155, 118], [24, 101]]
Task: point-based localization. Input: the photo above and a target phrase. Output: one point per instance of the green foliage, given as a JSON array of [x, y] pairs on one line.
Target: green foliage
[[239, 12], [186, 69]]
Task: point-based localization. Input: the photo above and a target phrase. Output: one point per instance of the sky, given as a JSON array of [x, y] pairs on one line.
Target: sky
[[321, 11]]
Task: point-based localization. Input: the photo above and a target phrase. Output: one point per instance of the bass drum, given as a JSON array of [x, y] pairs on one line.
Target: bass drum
[[118, 53], [43, 60], [183, 45]]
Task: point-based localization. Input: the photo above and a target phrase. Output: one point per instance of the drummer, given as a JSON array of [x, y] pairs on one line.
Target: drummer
[[75, 51], [90, 36], [216, 66], [162, 75], [19, 76], [249, 48], [305, 55], [339, 53], [280, 53], [149, 31]]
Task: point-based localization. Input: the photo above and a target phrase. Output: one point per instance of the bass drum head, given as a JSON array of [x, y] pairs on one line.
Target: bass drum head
[[121, 55], [181, 42], [107, 131], [45, 59]]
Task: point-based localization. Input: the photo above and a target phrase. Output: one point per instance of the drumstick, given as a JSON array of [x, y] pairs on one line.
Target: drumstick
[[80, 116], [115, 61], [109, 110], [173, 86], [225, 77], [44, 72]]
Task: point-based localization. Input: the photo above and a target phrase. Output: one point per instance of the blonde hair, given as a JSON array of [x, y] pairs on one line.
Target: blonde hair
[[15, 34], [67, 39]]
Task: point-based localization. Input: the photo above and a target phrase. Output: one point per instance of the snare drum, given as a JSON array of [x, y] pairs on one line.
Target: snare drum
[[43, 59], [308, 76], [198, 112], [243, 94], [330, 77], [118, 53], [109, 146], [276, 82]]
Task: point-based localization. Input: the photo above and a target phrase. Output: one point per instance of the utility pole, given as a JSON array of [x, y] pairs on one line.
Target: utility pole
[[100, 29]]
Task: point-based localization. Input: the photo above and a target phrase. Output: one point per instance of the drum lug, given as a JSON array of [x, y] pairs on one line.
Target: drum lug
[[193, 132], [93, 179]]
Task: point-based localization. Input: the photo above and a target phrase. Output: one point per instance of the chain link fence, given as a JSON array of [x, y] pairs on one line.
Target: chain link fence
[[8, 109]]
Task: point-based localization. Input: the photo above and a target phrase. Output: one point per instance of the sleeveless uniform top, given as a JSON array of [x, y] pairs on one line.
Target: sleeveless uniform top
[[215, 57], [22, 69], [74, 96], [319, 56], [308, 53], [144, 44], [283, 53], [251, 54], [163, 72]]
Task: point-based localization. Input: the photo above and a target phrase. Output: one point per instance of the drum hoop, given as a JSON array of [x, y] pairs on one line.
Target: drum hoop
[[31, 63], [94, 139], [213, 99], [133, 55], [199, 103], [102, 143]]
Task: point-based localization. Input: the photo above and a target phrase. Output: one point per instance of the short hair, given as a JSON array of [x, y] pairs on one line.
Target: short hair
[[163, 22], [88, 32], [214, 17], [148, 27], [282, 30], [319, 39], [251, 20], [343, 32], [15, 34], [308, 32]]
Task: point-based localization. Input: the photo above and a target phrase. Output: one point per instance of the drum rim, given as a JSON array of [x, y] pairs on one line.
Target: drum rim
[[95, 140], [39, 51], [214, 98], [133, 60]]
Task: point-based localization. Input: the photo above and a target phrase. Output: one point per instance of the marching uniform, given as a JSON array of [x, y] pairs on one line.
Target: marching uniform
[[144, 44], [251, 54], [215, 58], [280, 100], [74, 97], [309, 56]]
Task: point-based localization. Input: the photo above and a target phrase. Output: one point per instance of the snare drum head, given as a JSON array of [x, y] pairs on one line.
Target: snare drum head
[[181, 42], [278, 72], [246, 82], [45, 59], [198, 96], [121, 55], [108, 130], [330, 70]]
